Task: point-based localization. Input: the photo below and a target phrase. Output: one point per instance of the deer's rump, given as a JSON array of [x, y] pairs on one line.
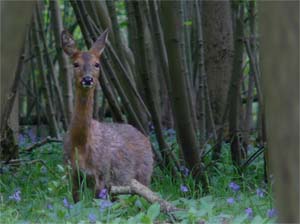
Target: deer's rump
[[114, 154]]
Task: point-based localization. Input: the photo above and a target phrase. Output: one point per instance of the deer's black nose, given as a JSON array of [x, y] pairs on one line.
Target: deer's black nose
[[87, 81]]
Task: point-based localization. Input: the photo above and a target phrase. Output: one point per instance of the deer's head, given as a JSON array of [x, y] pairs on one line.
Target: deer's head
[[86, 63]]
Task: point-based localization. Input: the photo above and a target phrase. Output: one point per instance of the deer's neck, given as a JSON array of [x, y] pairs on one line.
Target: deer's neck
[[80, 126]]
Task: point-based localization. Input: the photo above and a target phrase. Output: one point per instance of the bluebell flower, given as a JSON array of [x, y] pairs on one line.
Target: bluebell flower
[[105, 204], [171, 131], [103, 193], [260, 192], [16, 196], [92, 218], [230, 201], [272, 212], [50, 207], [185, 171], [32, 136], [21, 140], [233, 186], [249, 212], [184, 188], [67, 204]]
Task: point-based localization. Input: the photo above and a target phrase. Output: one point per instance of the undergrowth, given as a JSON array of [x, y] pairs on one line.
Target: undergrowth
[[38, 191]]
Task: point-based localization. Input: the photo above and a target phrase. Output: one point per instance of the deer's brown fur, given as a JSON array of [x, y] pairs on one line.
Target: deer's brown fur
[[111, 154]]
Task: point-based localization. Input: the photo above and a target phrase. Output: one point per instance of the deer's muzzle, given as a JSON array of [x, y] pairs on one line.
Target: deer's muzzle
[[87, 81]]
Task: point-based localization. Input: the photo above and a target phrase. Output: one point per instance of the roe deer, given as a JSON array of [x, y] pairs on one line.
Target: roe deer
[[110, 154]]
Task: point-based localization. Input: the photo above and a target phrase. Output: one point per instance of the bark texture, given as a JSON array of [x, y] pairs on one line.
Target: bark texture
[[11, 25], [218, 42], [185, 130], [279, 27], [64, 67]]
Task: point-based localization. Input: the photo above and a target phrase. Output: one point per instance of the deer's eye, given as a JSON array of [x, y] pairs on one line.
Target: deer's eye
[[97, 65], [76, 64]]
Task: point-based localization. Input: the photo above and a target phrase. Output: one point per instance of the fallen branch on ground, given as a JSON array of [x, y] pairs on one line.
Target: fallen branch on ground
[[42, 142], [136, 187]]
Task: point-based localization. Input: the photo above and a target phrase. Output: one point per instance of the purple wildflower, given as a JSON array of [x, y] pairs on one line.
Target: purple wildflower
[[50, 207], [103, 193], [92, 218], [105, 204], [32, 136], [233, 186], [171, 131], [16, 196], [260, 193], [185, 171], [184, 188], [249, 212], [272, 212], [21, 140], [230, 201], [67, 204]]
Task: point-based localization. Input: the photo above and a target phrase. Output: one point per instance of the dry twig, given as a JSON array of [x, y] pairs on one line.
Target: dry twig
[[136, 187], [42, 142]]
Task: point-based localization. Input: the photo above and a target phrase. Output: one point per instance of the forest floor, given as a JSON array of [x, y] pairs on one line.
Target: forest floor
[[39, 192]]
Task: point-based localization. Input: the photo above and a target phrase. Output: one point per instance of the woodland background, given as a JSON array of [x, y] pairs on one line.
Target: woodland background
[[217, 76]]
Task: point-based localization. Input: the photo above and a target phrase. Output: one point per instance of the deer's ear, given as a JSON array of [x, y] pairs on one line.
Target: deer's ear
[[99, 44], [68, 43]]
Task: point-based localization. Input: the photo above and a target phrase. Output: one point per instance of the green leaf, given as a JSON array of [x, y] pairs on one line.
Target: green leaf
[[188, 23], [136, 219], [240, 219], [61, 213], [60, 168], [153, 211], [258, 220], [146, 220]]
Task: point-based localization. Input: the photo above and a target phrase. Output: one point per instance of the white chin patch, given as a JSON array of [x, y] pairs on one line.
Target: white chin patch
[[85, 85]]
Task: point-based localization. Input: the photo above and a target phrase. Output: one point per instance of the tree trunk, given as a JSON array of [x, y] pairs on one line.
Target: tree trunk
[[200, 73], [64, 68], [49, 106], [248, 123], [234, 98], [51, 72], [147, 70], [162, 63], [11, 41], [218, 42], [185, 131], [279, 27]]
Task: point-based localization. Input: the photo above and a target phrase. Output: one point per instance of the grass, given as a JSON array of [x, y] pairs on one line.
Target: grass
[[45, 195]]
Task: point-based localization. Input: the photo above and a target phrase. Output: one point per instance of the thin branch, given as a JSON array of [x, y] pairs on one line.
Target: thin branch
[[41, 143], [136, 187]]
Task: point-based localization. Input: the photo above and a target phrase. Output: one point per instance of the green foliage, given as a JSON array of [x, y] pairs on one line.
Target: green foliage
[[45, 194], [188, 23], [121, 14]]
